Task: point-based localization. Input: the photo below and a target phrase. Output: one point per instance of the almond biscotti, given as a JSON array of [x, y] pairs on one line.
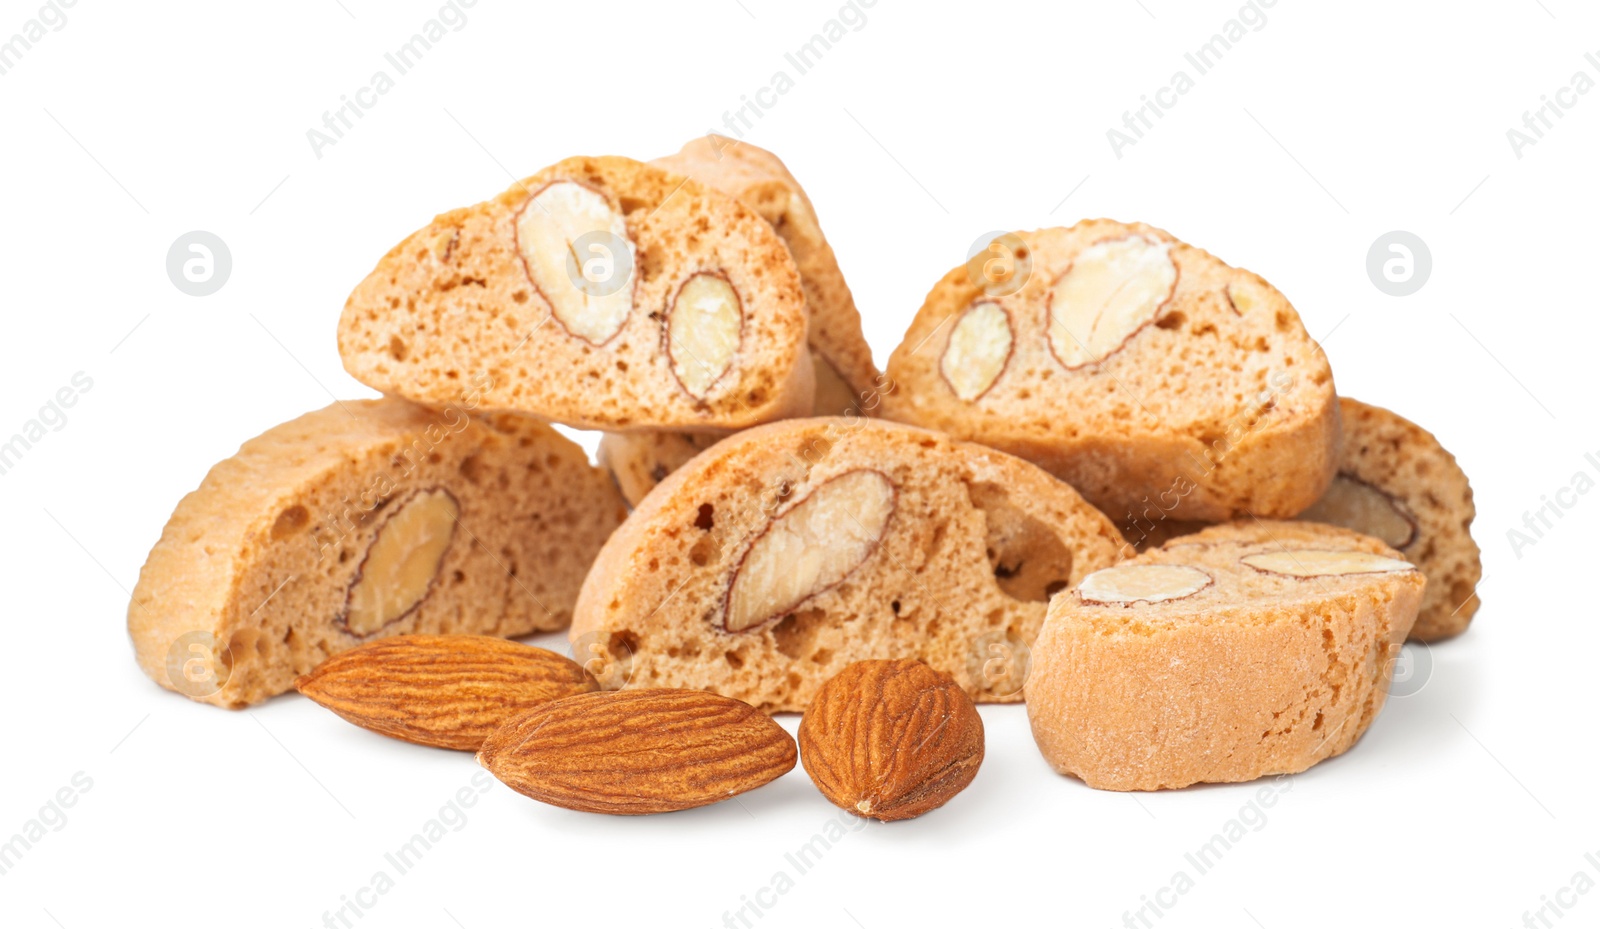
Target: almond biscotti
[[602, 293], [1246, 649], [1398, 483], [785, 552], [366, 519], [759, 180], [1145, 372], [847, 382]]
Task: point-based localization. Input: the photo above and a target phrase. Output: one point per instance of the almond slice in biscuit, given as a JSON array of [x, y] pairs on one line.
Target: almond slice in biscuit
[[1312, 563], [1148, 583]]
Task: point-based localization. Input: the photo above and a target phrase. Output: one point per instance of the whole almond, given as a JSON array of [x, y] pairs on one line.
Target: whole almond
[[891, 739], [639, 751], [449, 691]]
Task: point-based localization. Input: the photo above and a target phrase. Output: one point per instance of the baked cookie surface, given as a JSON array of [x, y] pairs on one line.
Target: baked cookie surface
[[1227, 655], [785, 552], [1398, 483], [365, 519], [759, 179], [1145, 372], [600, 292], [847, 382]]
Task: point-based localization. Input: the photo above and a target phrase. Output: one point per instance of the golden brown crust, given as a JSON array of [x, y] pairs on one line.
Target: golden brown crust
[[454, 303], [1205, 413], [259, 559], [976, 543], [1403, 461], [1257, 673]]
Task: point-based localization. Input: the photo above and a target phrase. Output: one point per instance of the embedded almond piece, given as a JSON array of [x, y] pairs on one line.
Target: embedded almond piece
[[1112, 290], [979, 347], [1151, 583], [810, 547], [1354, 504], [891, 739], [443, 243], [398, 570], [448, 691], [1243, 296], [1313, 563], [569, 237], [631, 752], [703, 328]]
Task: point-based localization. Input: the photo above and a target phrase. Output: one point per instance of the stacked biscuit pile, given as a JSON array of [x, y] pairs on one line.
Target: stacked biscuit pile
[[1105, 473]]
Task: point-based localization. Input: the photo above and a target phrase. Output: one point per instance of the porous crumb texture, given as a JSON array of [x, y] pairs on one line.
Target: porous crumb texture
[[1219, 407], [1256, 674], [453, 308], [846, 378], [1405, 463], [759, 180], [976, 542], [263, 555]]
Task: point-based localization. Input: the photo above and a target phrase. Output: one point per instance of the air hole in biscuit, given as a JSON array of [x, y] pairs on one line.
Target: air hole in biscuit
[[704, 519], [704, 551], [1174, 320], [1029, 561], [398, 350], [733, 660], [796, 633], [289, 522], [470, 469]]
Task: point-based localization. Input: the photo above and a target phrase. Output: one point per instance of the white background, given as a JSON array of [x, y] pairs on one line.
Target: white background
[[1466, 803]]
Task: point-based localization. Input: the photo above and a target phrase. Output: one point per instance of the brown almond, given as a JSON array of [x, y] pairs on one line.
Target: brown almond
[[891, 739], [639, 751], [449, 691]]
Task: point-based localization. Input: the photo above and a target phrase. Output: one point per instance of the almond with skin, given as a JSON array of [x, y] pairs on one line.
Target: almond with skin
[[891, 739], [448, 691], [630, 752]]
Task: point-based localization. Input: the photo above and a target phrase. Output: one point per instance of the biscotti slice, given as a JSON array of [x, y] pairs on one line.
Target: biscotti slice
[[602, 293], [1145, 372], [847, 382], [1398, 483], [368, 518], [1246, 649], [786, 552]]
